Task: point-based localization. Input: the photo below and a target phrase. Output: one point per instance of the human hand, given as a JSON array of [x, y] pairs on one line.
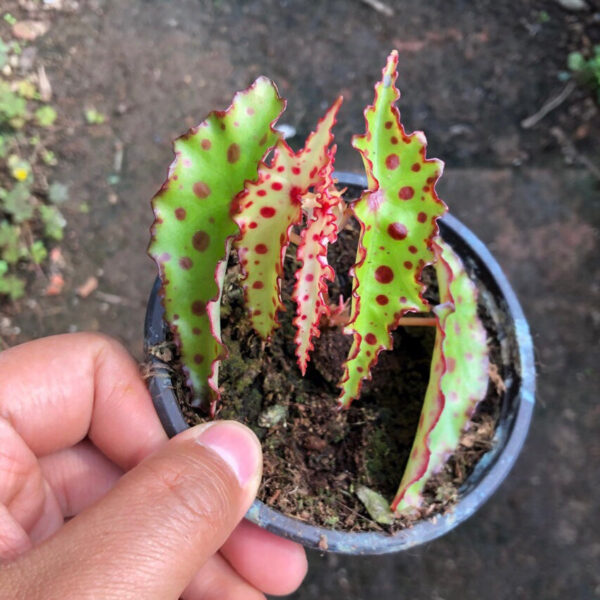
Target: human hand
[[156, 519]]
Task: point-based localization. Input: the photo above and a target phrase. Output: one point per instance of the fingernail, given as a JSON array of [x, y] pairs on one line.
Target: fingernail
[[237, 446]]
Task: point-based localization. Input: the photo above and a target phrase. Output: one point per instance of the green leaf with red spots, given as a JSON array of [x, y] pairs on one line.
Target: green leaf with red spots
[[310, 291], [398, 214], [269, 209], [458, 381], [193, 225]]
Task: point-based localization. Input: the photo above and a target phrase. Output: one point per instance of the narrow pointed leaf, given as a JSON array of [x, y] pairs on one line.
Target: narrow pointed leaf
[[413, 479], [458, 378], [398, 215], [268, 210], [311, 278], [193, 224]]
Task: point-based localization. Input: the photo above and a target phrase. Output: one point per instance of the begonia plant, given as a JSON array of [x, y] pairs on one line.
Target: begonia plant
[[237, 186]]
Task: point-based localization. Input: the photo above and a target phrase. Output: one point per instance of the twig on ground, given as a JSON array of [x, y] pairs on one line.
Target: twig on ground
[[114, 299], [380, 7], [52, 311], [86, 288], [549, 106], [44, 85], [571, 151], [118, 158], [359, 515]]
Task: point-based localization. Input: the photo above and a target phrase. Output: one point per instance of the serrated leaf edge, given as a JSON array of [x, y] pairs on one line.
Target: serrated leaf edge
[[374, 186], [324, 174], [213, 306]]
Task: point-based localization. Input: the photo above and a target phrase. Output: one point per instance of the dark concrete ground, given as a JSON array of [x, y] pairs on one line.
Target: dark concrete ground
[[469, 72]]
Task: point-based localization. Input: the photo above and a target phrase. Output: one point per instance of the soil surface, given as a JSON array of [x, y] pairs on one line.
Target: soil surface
[[316, 456], [470, 72]]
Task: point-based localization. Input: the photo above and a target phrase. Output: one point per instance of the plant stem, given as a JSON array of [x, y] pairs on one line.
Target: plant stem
[[553, 103], [417, 322]]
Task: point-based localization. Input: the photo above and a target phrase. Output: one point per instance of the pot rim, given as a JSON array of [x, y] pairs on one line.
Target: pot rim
[[490, 471]]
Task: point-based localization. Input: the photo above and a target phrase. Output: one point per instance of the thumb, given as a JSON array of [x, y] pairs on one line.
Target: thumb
[[149, 536]]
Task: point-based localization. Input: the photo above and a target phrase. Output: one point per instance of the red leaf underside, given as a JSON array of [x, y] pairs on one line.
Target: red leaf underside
[[269, 209], [310, 291]]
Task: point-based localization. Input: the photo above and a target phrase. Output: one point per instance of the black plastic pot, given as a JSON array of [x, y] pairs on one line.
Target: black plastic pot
[[516, 410]]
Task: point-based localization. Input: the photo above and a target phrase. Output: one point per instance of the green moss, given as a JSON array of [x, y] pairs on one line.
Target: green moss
[[378, 450]]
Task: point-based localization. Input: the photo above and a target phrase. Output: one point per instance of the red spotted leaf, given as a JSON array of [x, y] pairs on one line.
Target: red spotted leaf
[[193, 227], [398, 214], [458, 379], [269, 209]]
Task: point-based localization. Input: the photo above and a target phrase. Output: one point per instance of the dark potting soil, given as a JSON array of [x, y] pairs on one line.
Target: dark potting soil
[[315, 456]]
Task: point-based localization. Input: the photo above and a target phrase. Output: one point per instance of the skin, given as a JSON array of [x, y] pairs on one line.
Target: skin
[[152, 518]]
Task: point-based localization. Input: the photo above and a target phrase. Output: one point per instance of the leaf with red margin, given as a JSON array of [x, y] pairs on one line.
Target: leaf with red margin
[[193, 226], [268, 210], [312, 277], [458, 381], [398, 214]]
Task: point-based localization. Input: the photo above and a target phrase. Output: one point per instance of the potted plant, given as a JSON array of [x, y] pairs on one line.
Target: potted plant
[[242, 244]]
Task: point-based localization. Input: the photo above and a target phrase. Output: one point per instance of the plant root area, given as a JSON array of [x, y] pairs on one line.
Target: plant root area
[[315, 455]]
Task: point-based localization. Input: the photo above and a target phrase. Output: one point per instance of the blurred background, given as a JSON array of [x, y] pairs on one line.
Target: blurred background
[[92, 92]]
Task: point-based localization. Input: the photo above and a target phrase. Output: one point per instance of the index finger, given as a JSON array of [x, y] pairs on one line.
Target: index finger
[[57, 390]]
